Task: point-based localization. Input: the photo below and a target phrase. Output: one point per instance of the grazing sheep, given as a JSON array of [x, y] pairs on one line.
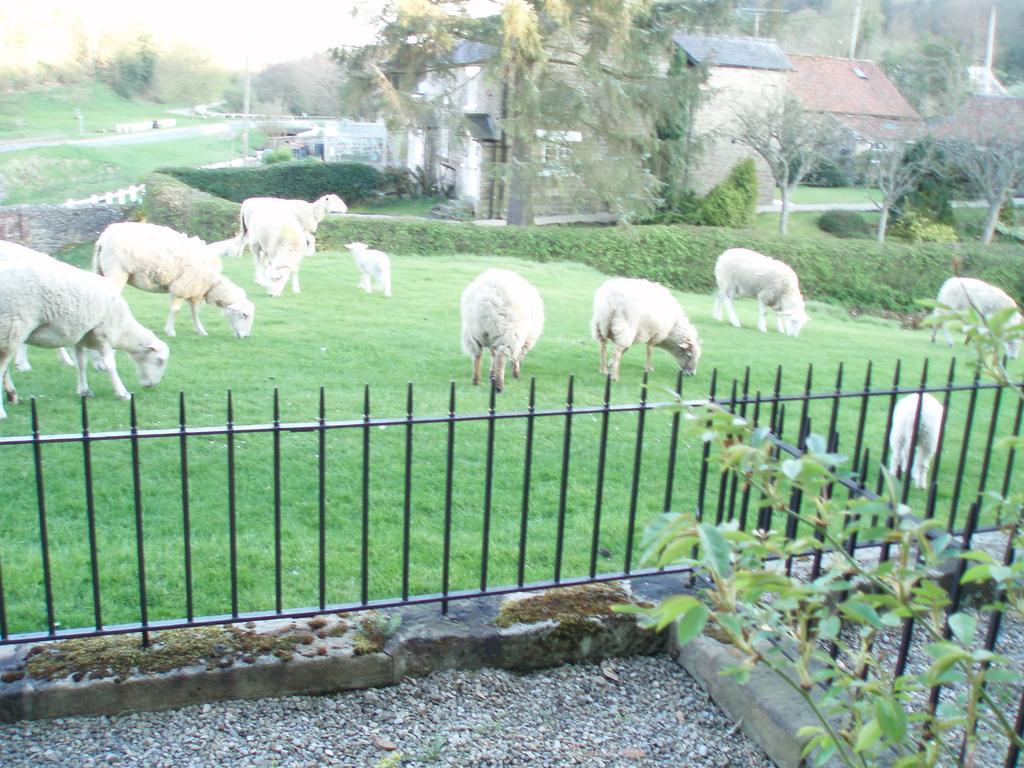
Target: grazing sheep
[[501, 312], [52, 304], [9, 250], [374, 267], [741, 272], [160, 260], [628, 311], [962, 293], [901, 436]]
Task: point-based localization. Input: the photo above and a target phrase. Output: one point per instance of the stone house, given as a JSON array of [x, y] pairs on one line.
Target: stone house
[[741, 72]]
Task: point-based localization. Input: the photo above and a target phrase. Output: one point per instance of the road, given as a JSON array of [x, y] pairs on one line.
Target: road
[[145, 137]]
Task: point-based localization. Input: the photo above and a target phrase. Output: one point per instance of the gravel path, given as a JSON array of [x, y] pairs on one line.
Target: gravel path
[[653, 714]]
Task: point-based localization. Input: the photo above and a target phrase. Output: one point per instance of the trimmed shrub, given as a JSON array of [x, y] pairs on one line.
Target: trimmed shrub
[[918, 228], [848, 224], [733, 201], [299, 181], [279, 155], [854, 274]]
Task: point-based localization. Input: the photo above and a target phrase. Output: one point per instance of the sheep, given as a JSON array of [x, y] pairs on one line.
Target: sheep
[[160, 260], [742, 272], [962, 293], [501, 312], [280, 245], [52, 304], [629, 310], [374, 267], [902, 435], [308, 215], [9, 250]]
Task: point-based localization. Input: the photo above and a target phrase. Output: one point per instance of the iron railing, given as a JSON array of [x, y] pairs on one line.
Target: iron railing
[[545, 483]]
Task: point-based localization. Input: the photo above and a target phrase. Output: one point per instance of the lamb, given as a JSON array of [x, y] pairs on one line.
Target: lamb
[[160, 260], [901, 436], [742, 272], [280, 245], [501, 312], [9, 250], [52, 304], [962, 293], [629, 310], [374, 267]]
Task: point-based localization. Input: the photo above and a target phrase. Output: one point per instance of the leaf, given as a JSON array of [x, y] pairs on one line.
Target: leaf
[[891, 718], [692, 624], [632, 753], [868, 736], [976, 573], [963, 626], [828, 629], [791, 468], [716, 548], [816, 444], [610, 673], [383, 743]]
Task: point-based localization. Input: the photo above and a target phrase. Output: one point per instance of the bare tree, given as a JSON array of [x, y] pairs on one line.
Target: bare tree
[[897, 169], [789, 139], [988, 147]]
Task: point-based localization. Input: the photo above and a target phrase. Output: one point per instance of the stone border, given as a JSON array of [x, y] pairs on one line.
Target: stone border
[[769, 712]]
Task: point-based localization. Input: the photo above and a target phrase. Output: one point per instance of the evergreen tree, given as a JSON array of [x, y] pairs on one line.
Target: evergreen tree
[[599, 68]]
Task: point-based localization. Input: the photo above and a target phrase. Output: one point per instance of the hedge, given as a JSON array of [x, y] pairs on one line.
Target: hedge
[[296, 180], [857, 274]]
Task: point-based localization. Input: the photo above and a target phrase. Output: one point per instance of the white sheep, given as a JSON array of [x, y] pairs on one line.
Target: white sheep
[[901, 436], [962, 293], [374, 267], [501, 312], [160, 260], [308, 215], [629, 311], [52, 304], [279, 246], [742, 272], [9, 250]]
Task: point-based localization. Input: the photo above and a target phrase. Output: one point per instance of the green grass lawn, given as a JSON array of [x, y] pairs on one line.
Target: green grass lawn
[[335, 337], [801, 224], [415, 206], [53, 174], [50, 112], [834, 195]]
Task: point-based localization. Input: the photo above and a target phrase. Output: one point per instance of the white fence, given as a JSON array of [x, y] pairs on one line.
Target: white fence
[[132, 194]]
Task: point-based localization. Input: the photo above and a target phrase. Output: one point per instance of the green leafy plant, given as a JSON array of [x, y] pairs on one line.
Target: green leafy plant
[[918, 228], [817, 634], [279, 155]]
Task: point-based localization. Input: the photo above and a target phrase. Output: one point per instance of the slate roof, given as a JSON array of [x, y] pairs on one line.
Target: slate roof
[[742, 52], [468, 52], [846, 87]]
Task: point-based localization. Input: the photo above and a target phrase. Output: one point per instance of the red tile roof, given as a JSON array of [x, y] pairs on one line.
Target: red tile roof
[[833, 85]]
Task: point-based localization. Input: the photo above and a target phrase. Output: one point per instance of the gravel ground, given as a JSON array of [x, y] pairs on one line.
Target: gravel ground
[[643, 711]]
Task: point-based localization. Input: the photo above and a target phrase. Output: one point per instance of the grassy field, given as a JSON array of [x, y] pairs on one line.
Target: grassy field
[[50, 112], [416, 206], [53, 174], [334, 336], [835, 195]]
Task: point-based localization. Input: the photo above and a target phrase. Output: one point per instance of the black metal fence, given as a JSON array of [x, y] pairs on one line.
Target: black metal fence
[[517, 500]]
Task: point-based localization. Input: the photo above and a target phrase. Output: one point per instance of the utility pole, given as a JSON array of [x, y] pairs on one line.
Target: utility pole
[[989, 49], [757, 23], [245, 119], [854, 30]]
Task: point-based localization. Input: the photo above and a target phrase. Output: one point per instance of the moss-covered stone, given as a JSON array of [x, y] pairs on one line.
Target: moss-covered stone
[[566, 605], [122, 655], [373, 630]]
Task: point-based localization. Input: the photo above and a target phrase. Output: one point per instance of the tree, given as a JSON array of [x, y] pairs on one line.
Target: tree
[[596, 68], [988, 147], [931, 74], [185, 74], [131, 70], [789, 139], [896, 170]]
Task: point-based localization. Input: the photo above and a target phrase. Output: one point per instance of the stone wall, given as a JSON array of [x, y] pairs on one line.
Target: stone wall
[[48, 228], [732, 89]]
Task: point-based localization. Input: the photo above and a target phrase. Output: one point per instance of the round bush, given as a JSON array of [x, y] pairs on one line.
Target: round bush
[[845, 224]]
